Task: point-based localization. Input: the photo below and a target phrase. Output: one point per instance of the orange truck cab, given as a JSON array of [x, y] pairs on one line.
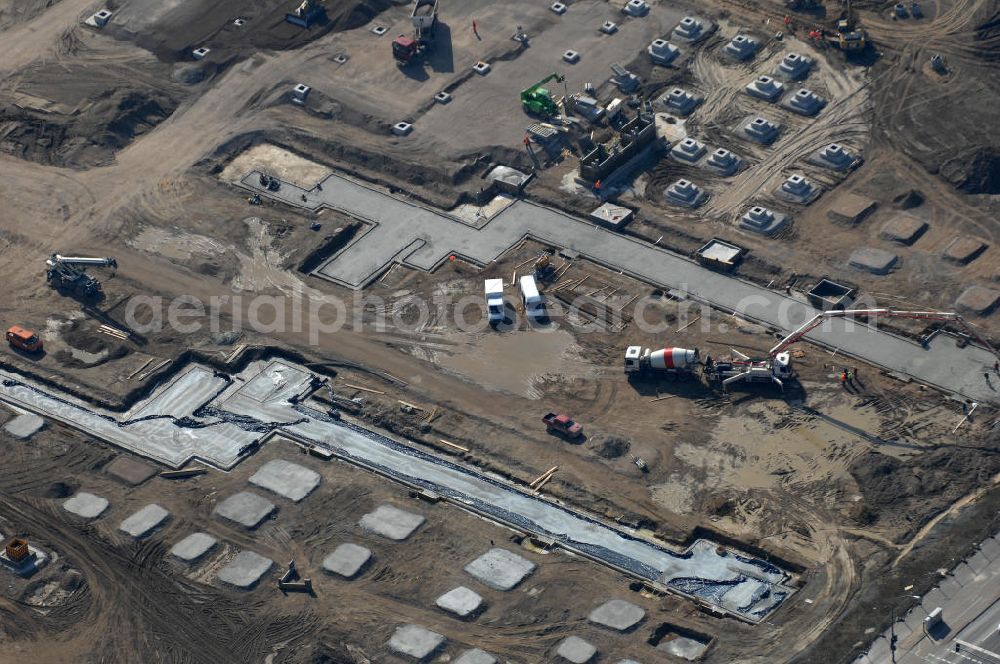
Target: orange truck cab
[[24, 339]]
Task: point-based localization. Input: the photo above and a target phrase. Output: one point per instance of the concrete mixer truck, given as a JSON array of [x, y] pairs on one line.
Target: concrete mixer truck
[[666, 360]]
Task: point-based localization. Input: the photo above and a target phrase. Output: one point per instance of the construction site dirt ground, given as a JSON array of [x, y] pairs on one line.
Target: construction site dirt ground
[[117, 142]]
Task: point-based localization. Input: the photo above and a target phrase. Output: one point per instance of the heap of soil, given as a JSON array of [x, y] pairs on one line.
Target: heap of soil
[[613, 447], [975, 171], [894, 490], [908, 199], [86, 139]]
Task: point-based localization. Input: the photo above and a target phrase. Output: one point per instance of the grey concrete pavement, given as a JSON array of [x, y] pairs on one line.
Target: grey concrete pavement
[[423, 238], [970, 599]]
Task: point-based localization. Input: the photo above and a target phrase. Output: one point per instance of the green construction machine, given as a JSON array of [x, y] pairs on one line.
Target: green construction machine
[[538, 100]]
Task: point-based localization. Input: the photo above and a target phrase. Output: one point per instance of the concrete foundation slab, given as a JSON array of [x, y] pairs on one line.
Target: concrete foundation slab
[[476, 656], [245, 570], [692, 29], [766, 88], [130, 471], [86, 505], [286, 479], [903, 229], [875, 261], [245, 508], [978, 300], [835, 157], [689, 150], [963, 250], [759, 129], [145, 521], [742, 47], [461, 601], [193, 547], [685, 193], [662, 52], [850, 209], [683, 647], [24, 426], [617, 614], [797, 188], [392, 522], [347, 560], [415, 641], [761, 220], [804, 102], [500, 569], [576, 650], [794, 67], [723, 162]]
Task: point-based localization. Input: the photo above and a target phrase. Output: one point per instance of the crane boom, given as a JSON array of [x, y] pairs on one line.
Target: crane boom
[[816, 320]]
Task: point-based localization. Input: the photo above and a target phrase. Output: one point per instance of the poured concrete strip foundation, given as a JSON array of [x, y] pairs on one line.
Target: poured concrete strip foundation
[[265, 400], [183, 420], [423, 238]]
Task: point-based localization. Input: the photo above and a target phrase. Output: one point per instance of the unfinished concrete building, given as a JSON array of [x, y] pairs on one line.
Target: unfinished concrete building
[[635, 136]]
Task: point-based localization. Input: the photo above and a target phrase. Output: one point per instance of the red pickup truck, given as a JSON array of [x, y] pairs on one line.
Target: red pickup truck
[[562, 424]]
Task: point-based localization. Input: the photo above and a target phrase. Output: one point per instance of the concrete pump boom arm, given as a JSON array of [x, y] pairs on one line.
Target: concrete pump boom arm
[[816, 320], [56, 259]]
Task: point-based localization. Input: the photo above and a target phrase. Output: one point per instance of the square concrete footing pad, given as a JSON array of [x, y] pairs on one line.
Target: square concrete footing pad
[[86, 505], [145, 521], [24, 426], [500, 569], [245, 508], [245, 570], [617, 614], [286, 479], [903, 229], [415, 641], [461, 601], [130, 471], [476, 656], [875, 261], [193, 547], [391, 522], [978, 300], [963, 250], [576, 650], [347, 560]]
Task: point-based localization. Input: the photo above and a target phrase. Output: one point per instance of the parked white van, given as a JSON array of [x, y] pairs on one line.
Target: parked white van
[[534, 305]]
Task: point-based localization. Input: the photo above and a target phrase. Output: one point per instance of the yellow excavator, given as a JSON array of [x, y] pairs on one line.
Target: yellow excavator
[[849, 36]]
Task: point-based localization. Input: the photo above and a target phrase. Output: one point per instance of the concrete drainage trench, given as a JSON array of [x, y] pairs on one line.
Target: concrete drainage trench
[[203, 415]]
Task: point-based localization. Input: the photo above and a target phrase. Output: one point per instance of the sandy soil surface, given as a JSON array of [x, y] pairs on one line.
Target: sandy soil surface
[[117, 143]]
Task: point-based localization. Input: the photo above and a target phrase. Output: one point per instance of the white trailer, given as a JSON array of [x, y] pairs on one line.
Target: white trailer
[[534, 304], [494, 300]]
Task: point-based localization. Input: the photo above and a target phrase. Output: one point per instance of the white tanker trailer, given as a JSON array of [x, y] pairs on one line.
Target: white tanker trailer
[[669, 360]]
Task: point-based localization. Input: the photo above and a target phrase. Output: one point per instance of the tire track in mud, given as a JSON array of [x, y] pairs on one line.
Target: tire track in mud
[[135, 607]]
